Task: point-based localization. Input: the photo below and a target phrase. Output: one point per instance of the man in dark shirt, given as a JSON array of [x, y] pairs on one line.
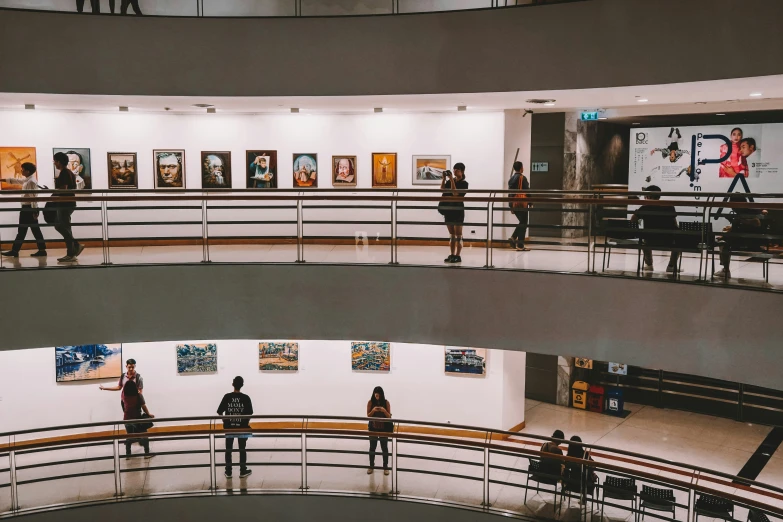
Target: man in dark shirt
[[516, 182], [65, 180], [657, 221], [236, 403]]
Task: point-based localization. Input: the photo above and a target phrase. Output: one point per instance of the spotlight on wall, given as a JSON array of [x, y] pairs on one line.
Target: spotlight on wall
[[462, 108], [123, 108], [294, 110], [29, 106], [378, 109], [211, 110]]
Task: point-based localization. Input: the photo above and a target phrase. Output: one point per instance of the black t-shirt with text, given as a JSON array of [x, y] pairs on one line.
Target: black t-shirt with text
[[235, 403]]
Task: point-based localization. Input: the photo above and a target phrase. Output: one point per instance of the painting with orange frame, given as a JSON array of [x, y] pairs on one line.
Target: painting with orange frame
[[11, 160]]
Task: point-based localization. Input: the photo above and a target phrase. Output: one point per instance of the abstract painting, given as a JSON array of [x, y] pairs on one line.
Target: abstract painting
[[261, 168], [278, 357], [465, 361], [216, 170], [197, 358], [88, 361], [11, 160], [122, 170], [305, 170], [370, 357], [384, 169], [343, 171], [428, 170], [169, 168], [79, 164]]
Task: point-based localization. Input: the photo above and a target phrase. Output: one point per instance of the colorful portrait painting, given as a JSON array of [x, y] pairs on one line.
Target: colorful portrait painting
[[216, 170], [283, 357], [169, 168], [79, 164], [261, 169], [122, 170], [11, 161], [87, 362], [428, 170], [384, 170], [370, 357], [465, 361], [197, 358], [343, 171], [305, 170]]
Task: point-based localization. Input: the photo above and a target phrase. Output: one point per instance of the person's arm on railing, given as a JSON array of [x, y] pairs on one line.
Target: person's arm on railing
[[147, 411]]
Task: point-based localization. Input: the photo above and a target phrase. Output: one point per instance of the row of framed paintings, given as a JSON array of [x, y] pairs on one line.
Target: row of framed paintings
[[104, 361], [261, 169]]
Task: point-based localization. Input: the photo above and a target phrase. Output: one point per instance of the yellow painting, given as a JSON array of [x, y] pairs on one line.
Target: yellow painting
[[384, 169], [11, 160]]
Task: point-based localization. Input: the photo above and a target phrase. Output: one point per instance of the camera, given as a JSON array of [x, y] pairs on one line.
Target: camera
[[447, 173]]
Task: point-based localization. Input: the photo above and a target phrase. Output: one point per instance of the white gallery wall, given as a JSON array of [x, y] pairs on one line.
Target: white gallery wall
[[417, 386]]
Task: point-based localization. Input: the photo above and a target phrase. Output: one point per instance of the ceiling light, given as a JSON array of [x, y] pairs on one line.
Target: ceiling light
[[211, 110], [701, 103], [550, 104], [642, 100], [294, 110], [462, 108], [378, 109], [755, 94], [603, 118], [539, 101], [202, 105], [720, 114], [636, 123], [29, 106], [123, 108]]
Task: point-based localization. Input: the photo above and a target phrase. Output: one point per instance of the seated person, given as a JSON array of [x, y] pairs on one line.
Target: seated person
[[574, 474], [553, 468], [743, 221], [657, 219]]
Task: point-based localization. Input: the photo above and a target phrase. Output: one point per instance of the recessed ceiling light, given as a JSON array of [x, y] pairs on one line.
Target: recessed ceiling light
[[720, 114], [211, 110], [462, 108], [29, 106], [642, 100], [550, 104], [755, 94], [636, 123], [123, 108], [294, 110], [202, 105], [378, 109], [603, 118], [701, 103]]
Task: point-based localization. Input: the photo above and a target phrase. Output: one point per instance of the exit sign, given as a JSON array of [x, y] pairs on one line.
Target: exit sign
[[590, 116]]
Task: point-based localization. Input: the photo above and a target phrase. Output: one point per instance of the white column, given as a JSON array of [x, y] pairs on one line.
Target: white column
[[514, 364]]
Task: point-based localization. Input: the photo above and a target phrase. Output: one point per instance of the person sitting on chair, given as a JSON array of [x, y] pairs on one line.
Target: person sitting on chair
[[743, 221], [657, 220]]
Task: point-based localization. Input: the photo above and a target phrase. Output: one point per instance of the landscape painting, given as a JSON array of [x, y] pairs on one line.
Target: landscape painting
[[465, 361], [88, 362], [11, 160], [370, 357], [282, 357], [428, 170], [197, 358]]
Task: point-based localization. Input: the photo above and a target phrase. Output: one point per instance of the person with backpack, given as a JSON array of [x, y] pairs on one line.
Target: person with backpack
[[28, 216], [236, 403], [130, 375], [132, 406], [379, 407], [519, 207]]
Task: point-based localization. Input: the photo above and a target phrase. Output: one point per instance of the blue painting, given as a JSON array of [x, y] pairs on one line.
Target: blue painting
[[370, 356], [197, 358], [88, 361]]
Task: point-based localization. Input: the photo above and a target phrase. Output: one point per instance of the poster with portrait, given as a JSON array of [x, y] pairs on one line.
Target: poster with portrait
[[428, 170], [465, 361], [122, 170], [216, 170], [169, 168], [11, 161], [370, 357], [197, 358], [278, 357], [384, 170], [343, 171], [261, 169], [305, 170], [79, 164], [88, 362]]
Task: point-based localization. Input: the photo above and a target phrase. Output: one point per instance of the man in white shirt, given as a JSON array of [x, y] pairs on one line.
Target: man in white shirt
[[28, 217]]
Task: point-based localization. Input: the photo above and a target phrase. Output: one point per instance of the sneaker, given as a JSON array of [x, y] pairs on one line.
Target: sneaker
[[724, 273], [449, 259], [369, 471], [79, 250], [457, 259], [246, 473], [648, 268], [40, 253], [149, 455], [386, 472], [10, 253], [522, 248], [512, 242], [66, 259], [228, 474], [673, 270]]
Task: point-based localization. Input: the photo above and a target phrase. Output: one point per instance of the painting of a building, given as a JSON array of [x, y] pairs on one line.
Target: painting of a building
[[370, 356]]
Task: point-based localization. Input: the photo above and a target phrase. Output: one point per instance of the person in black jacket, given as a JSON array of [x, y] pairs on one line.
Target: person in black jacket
[[517, 239], [65, 180], [236, 403]]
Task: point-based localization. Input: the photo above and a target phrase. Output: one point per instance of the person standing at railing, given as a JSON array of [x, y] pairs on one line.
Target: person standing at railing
[[130, 375], [453, 212], [519, 207], [236, 403], [28, 217], [379, 407], [66, 180], [133, 406]]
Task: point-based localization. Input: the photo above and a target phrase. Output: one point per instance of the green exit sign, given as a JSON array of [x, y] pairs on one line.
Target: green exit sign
[[590, 116]]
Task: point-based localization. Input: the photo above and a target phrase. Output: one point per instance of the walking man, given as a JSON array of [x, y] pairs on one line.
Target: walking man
[[28, 217], [236, 403]]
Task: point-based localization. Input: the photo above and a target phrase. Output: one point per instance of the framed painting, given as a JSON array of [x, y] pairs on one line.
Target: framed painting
[[197, 358], [261, 169], [79, 164], [370, 357], [122, 170], [384, 170], [428, 170], [169, 168], [11, 160], [216, 170], [343, 171], [305, 170], [465, 361], [88, 362], [278, 357]]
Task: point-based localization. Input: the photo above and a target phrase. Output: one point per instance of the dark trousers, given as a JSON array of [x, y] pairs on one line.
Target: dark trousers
[[95, 4], [242, 442], [521, 231], [63, 226], [132, 3], [384, 450], [145, 443], [648, 257], [28, 219]]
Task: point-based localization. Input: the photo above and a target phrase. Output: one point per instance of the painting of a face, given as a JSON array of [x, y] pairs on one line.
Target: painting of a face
[[79, 164], [344, 171], [384, 169], [261, 169], [305, 170], [169, 168], [75, 163], [216, 170], [122, 170]]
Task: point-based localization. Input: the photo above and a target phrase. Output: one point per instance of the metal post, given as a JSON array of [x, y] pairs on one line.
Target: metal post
[[304, 487], [393, 228], [395, 490], [589, 234], [299, 231], [14, 488], [117, 470], [212, 459], [490, 220], [485, 486], [205, 231]]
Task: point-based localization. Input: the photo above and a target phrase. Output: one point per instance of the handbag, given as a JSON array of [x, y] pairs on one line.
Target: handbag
[[50, 212], [519, 200], [144, 426]]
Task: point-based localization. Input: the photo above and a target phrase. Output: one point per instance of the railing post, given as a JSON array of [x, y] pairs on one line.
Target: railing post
[[392, 221], [105, 232], [205, 231], [304, 487], [395, 489], [589, 235], [117, 468], [212, 458], [14, 487], [490, 219], [485, 485], [299, 231]]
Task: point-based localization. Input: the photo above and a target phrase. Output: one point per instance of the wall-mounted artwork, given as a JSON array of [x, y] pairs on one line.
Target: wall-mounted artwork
[[197, 358], [11, 160], [370, 356], [169, 168], [278, 357], [79, 164], [384, 169], [428, 170], [123, 173], [465, 361], [89, 361], [343, 171], [216, 170], [305, 170], [262, 168]]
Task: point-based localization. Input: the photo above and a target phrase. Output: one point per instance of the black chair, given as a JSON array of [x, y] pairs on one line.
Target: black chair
[[755, 515], [540, 475], [620, 233], [753, 243], [714, 507], [573, 477], [620, 489], [657, 499]]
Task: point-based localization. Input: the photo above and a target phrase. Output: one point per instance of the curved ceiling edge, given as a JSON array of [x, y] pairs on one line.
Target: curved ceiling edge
[[728, 334], [597, 43]]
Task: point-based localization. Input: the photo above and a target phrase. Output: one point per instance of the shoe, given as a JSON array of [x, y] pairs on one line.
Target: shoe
[[724, 273], [673, 270], [66, 259], [128, 456], [648, 268], [512, 242], [457, 259], [79, 250], [369, 471], [246, 473], [522, 248], [228, 474], [149, 455], [449, 259], [386, 472], [40, 253], [10, 253]]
